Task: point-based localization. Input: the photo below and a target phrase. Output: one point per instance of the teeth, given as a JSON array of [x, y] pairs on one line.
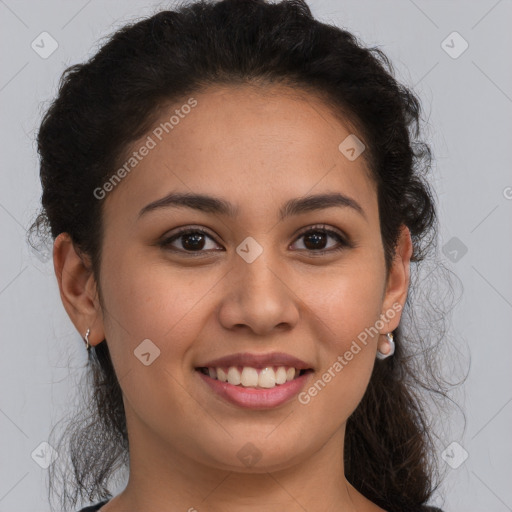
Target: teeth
[[221, 375], [267, 378], [234, 376], [281, 375], [251, 377]]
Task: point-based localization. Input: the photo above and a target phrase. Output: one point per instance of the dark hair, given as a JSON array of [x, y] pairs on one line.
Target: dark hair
[[114, 98]]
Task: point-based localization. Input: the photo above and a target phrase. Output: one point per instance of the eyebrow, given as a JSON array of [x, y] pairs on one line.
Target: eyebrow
[[210, 204]]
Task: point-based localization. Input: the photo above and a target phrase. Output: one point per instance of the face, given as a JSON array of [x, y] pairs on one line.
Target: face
[[272, 275]]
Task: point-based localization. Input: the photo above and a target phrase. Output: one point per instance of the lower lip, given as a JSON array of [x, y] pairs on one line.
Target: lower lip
[[256, 398]]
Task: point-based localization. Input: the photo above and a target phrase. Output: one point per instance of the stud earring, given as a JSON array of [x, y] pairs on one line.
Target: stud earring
[[86, 338], [391, 351]]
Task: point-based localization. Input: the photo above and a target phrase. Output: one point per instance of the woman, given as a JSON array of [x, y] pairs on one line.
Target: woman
[[236, 201]]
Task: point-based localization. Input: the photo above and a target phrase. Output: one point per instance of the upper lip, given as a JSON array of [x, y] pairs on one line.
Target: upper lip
[[257, 361]]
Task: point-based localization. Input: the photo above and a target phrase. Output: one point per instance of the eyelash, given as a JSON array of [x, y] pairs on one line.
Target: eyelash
[[343, 242]]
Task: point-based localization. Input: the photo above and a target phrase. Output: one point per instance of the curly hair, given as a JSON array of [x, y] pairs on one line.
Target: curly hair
[[111, 100]]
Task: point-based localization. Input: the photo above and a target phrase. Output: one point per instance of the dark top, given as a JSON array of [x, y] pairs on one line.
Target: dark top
[[94, 508]]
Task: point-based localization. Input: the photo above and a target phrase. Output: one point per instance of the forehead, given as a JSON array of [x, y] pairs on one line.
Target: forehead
[[247, 143]]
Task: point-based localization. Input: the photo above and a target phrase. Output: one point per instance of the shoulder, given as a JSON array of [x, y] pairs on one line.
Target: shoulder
[[93, 508]]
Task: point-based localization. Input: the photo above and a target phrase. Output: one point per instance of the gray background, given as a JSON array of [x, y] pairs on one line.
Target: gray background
[[468, 103]]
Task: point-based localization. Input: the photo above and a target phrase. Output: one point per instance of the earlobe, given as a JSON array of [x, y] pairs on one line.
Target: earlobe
[[77, 288], [398, 279]]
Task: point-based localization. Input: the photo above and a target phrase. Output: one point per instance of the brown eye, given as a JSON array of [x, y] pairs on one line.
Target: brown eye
[[316, 240], [192, 240]]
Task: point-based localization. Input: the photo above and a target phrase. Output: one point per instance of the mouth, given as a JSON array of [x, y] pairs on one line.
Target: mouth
[[257, 378]]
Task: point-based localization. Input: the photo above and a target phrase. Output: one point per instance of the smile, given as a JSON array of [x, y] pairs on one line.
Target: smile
[[249, 377], [248, 391]]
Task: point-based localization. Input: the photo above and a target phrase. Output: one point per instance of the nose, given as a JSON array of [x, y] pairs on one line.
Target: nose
[[258, 298]]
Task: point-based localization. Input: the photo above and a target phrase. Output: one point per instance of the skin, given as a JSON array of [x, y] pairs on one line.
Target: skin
[[257, 149]]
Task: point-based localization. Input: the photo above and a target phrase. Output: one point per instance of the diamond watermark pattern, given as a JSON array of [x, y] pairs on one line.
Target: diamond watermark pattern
[[454, 249], [454, 455], [44, 455], [44, 45], [351, 147], [147, 352], [249, 455], [454, 45], [249, 249]]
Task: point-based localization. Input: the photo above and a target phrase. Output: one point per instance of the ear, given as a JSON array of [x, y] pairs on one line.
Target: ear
[[77, 288], [397, 284]]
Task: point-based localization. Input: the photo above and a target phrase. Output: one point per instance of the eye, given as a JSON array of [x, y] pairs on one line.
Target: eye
[[193, 240], [315, 239]]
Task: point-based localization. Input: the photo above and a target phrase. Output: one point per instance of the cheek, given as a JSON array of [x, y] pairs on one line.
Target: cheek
[[347, 307], [152, 300], [346, 301]]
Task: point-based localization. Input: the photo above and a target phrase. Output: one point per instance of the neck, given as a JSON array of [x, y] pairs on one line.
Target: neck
[[164, 478]]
